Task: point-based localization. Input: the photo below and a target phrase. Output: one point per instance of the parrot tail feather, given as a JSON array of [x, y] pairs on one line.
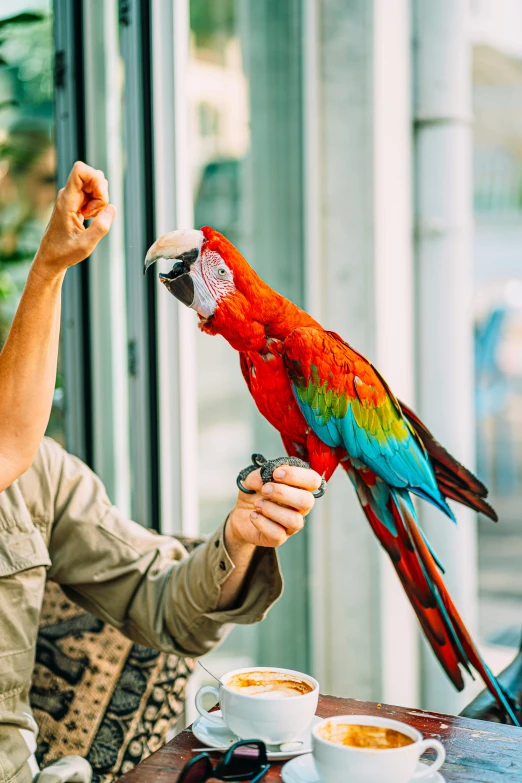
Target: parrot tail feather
[[455, 481], [463, 495], [392, 517], [468, 645]]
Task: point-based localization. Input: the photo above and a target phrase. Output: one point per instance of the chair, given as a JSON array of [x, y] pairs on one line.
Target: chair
[[98, 695], [484, 706]]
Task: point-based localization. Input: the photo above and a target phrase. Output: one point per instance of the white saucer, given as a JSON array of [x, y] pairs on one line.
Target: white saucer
[[221, 739], [302, 770]]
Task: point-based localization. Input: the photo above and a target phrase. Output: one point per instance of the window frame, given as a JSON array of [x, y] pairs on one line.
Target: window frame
[[70, 146], [135, 32]]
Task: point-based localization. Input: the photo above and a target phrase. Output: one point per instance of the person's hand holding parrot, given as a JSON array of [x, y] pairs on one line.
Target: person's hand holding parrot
[[276, 510]]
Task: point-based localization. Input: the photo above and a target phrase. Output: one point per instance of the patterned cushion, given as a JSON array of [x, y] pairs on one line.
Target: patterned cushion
[[96, 694]]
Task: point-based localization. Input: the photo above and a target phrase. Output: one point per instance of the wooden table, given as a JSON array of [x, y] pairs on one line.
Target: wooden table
[[476, 751]]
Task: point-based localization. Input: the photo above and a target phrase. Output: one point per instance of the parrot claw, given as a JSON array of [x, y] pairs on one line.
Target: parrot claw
[[257, 462], [267, 470]]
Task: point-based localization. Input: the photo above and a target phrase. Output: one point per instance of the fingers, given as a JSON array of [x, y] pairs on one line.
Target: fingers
[[88, 180], [286, 475], [305, 478], [99, 227], [288, 518], [86, 191], [280, 505], [66, 240], [92, 208], [266, 532], [300, 499], [253, 481]]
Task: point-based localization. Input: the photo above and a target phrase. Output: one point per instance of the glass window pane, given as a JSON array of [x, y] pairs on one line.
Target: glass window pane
[[220, 133], [497, 109], [244, 88], [27, 155], [231, 151]]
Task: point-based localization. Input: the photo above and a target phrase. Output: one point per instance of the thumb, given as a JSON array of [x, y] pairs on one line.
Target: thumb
[[253, 481], [100, 226]]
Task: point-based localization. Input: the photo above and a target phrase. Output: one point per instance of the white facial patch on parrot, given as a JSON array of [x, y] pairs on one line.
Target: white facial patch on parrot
[[212, 281]]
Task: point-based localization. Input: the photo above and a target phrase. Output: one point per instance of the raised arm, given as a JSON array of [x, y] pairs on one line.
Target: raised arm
[[28, 359]]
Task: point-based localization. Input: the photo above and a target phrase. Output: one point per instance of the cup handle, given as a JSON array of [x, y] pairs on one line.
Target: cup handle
[[205, 713], [437, 764]]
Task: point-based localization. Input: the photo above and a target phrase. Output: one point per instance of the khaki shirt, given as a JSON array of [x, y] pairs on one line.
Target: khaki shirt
[[56, 522]]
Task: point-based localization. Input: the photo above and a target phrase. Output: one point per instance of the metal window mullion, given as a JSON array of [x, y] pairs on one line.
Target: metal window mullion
[[70, 147], [313, 301], [107, 265], [188, 397], [138, 237], [394, 333], [176, 329], [272, 46]]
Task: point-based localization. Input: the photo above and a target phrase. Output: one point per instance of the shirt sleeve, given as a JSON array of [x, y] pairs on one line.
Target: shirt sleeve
[[144, 584]]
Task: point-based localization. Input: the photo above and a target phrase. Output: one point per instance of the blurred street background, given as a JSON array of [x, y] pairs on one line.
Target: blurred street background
[[366, 157]]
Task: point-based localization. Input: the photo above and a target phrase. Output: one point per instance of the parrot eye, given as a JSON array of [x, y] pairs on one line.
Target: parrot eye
[[222, 272]]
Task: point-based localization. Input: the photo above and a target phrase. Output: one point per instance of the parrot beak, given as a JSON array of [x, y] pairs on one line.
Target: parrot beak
[[184, 247]]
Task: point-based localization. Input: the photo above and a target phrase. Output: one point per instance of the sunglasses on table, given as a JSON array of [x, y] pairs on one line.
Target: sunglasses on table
[[245, 760]]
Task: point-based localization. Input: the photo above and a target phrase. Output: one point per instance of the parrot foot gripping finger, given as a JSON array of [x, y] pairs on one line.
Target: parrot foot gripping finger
[[267, 470], [257, 462]]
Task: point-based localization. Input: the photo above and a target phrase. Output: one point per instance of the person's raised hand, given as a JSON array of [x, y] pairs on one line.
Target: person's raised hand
[[67, 240], [278, 508]]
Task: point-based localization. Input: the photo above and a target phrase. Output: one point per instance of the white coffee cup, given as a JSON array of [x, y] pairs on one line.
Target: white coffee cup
[[271, 719], [337, 763]]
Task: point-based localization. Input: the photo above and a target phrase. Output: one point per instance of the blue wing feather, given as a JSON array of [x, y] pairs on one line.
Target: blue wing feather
[[402, 464]]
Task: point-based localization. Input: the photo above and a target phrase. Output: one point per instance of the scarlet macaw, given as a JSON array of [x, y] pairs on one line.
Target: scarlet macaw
[[332, 407]]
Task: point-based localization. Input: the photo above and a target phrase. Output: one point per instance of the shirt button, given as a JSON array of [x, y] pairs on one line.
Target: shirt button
[[216, 543], [223, 566]]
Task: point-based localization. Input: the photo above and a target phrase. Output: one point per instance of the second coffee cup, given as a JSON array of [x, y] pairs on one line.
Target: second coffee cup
[[268, 703]]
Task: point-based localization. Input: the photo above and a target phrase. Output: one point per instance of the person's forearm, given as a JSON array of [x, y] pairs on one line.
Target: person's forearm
[[28, 372], [241, 555], [82, 215]]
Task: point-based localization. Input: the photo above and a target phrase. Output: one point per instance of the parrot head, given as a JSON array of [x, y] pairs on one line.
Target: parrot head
[[200, 276], [211, 276]]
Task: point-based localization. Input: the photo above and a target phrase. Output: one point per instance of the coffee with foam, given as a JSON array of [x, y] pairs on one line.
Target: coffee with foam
[[261, 702], [357, 736], [268, 685], [371, 748]]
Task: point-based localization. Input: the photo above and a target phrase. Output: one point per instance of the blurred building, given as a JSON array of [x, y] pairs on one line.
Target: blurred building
[[366, 157]]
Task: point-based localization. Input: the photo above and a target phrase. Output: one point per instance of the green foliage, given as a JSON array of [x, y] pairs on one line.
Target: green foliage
[[26, 61], [23, 18], [26, 162], [26, 124], [211, 20], [7, 287]]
